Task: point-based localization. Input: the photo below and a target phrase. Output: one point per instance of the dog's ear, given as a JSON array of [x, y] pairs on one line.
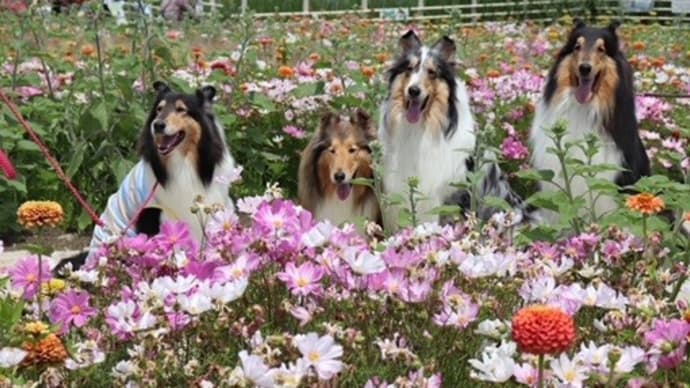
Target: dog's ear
[[409, 42], [205, 95], [161, 87], [445, 47], [577, 24], [362, 119], [328, 119], [613, 26]]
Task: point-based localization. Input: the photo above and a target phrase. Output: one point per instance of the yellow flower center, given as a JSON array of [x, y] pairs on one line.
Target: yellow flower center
[[314, 357], [31, 278], [302, 282], [570, 375]]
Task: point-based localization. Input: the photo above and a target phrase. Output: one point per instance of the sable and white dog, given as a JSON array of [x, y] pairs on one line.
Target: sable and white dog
[[183, 150], [590, 87], [337, 154], [426, 128]]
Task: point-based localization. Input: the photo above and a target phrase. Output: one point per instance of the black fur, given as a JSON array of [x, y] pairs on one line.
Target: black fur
[[412, 47], [210, 149], [622, 124], [149, 221]]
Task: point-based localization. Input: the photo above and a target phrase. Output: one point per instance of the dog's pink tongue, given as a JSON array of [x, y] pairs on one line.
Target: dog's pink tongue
[[583, 93], [343, 190], [414, 111]]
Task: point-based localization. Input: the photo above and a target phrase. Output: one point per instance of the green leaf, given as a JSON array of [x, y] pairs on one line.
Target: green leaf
[[38, 249], [77, 159], [304, 90], [121, 168], [18, 185], [262, 102], [363, 182], [100, 113], [535, 175], [84, 220], [496, 203], [26, 145], [445, 210]]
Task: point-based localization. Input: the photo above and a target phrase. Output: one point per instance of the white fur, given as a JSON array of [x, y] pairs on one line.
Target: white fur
[[409, 150], [184, 185], [339, 212], [581, 119]]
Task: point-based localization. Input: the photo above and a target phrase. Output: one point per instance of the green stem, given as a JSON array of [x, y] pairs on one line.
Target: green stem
[[644, 233], [99, 54], [15, 64], [540, 375], [40, 286]]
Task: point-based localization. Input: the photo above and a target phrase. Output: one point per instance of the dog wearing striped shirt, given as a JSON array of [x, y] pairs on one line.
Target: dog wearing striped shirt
[[183, 155]]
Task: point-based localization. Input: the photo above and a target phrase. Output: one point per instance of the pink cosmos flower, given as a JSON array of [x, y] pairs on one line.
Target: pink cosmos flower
[[526, 374], [28, 92], [295, 132], [322, 353], [668, 340], [71, 308], [25, 275], [176, 235], [302, 280], [513, 149]]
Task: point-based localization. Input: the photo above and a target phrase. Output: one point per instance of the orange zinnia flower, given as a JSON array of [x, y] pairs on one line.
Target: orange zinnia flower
[[34, 214], [314, 57], [368, 71], [49, 350], [88, 51], [382, 57], [639, 46], [493, 73], [286, 71], [645, 203], [541, 330]]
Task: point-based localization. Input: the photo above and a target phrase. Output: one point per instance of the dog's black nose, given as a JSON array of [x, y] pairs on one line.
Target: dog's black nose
[[158, 126], [339, 176], [414, 91], [585, 69]]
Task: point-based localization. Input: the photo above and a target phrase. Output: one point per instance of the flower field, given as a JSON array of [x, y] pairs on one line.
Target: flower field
[[275, 299]]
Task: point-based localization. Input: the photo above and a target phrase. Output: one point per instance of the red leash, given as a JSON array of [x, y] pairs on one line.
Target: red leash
[[61, 174]]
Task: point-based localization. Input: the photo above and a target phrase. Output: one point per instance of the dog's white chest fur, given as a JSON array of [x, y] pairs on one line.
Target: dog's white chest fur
[[337, 212], [183, 186], [411, 150], [580, 120]]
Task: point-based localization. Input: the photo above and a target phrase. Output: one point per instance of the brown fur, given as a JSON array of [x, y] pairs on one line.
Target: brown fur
[[337, 145], [603, 68], [176, 117]]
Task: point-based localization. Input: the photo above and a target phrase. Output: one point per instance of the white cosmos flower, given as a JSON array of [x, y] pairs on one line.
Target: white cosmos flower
[[364, 262], [255, 370], [124, 369], [318, 235], [195, 304], [492, 328], [568, 372], [322, 353], [10, 357], [494, 367], [630, 357], [594, 356]]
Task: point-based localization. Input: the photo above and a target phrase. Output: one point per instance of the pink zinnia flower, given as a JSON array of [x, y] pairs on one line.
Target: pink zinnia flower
[[25, 276], [302, 280], [71, 308], [295, 132], [7, 167], [513, 149]]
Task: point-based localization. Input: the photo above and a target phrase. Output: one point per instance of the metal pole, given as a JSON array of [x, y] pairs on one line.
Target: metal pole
[[365, 4], [474, 11], [305, 6], [243, 7], [420, 5]]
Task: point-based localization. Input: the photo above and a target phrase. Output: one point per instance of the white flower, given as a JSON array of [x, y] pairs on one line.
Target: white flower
[[124, 369], [594, 356], [86, 354], [492, 328], [10, 357], [180, 285], [630, 357], [538, 290], [494, 367], [568, 372], [364, 262], [195, 304], [85, 276], [318, 235], [290, 375], [206, 384], [255, 370], [321, 353], [261, 65]]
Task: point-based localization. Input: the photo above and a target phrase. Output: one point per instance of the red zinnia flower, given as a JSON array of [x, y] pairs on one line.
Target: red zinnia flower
[[543, 330], [6, 166]]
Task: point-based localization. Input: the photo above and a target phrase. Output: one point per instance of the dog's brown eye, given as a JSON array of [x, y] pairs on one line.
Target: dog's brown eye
[[180, 109], [159, 109], [432, 73], [578, 47], [410, 68], [353, 150], [332, 150], [601, 49]]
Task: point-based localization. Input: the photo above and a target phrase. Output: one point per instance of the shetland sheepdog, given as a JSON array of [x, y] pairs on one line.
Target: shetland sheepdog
[[590, 87], [338, 153], [182, 148], [427, 130]]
